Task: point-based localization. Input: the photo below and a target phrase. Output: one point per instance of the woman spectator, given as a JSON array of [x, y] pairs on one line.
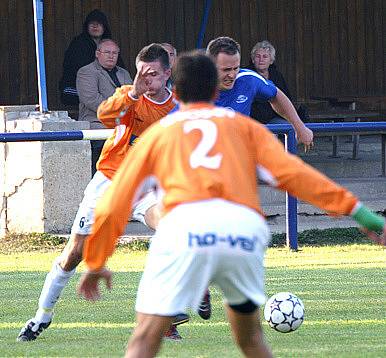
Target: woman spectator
[[262, 61]]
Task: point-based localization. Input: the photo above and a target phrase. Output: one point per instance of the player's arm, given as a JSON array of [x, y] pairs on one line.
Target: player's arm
[[371, 223], [289, 173], [112, 110], [283, 106], [141, 83]]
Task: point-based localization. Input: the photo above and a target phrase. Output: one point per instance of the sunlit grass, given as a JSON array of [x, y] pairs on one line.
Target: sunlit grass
[[343, 289]]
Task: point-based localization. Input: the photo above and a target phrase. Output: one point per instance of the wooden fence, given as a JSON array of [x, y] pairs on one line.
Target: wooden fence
[[323, 46]]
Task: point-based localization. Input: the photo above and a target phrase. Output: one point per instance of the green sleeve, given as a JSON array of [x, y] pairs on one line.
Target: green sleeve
[[369, 220]]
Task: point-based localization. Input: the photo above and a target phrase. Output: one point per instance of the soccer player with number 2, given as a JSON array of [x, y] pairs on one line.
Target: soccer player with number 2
[[204, 159]]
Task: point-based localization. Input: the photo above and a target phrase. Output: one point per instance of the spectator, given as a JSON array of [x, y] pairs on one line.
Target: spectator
[[172, 52], [81, 52], [95, 83], [262, 61]]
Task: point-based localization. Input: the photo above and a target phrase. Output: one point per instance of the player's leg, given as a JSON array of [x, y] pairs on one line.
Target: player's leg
[[205, 308], [176, 274], [152, 216], [147, 336], [246, 329], [64, 266], [56, 280], [147, 210], [240, 275]]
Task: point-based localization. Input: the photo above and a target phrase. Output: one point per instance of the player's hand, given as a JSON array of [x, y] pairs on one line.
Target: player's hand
[[379, 239], [141, 81], [305, 136], [88, 286]]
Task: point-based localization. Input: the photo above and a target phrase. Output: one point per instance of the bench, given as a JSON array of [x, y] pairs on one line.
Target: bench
[[342, 115]]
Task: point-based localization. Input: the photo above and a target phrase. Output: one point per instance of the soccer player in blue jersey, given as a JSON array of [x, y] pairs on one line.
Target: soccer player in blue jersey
[[237, 90], [239, 87]]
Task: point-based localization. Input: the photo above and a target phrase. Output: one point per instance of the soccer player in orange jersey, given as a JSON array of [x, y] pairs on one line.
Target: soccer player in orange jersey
[[130, 111], [212, 229]]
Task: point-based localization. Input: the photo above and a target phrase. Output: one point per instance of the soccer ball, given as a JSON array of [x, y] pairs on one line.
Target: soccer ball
[[284, 312]]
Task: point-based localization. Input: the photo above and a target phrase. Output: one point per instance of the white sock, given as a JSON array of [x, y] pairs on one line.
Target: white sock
[[56, 281]]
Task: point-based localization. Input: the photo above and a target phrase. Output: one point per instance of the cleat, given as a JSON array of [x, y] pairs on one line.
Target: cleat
[[172, 334], [31, 331], [205, 308], [180, 319]]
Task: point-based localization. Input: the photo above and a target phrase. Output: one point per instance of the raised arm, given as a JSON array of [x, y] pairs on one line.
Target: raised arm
[[112, 111]]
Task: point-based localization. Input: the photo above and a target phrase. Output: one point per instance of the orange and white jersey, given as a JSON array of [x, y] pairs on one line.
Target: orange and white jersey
[[130, 117], [206, 152]]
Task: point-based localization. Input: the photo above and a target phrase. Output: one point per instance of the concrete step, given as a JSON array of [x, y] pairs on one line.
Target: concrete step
[[371, 191], [368, 164], [277, 224]]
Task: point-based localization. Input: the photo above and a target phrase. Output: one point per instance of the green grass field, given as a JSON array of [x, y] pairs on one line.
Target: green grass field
[[343, 289]]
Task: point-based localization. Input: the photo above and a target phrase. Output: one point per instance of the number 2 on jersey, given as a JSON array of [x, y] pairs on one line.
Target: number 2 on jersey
[[199, 156]]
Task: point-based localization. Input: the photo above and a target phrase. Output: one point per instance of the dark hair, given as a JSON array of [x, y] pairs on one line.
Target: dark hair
[[154, 52], [97, 16], [222, 44], [195, 77]]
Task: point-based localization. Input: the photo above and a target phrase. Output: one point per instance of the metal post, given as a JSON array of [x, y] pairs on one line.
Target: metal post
[[355, 143], [204, 22], [291, 202], [38, 21], [383, 139]]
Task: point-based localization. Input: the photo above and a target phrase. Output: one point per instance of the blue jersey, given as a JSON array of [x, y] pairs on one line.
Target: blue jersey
[[248, 86]]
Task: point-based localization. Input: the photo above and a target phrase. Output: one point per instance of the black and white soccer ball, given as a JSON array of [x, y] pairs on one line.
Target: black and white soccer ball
[[284, 312]]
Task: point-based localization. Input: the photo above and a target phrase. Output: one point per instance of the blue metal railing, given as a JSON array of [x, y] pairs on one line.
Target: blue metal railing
[[291, 145]]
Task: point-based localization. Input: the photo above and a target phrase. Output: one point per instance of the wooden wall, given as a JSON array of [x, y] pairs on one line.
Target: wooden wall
[[323, 47]]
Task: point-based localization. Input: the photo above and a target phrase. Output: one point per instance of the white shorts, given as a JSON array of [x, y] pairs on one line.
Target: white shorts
[[145, 202], [201, 243], [84, 218]]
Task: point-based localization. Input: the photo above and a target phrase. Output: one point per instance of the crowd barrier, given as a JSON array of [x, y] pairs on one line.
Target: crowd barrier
[[319, 129]]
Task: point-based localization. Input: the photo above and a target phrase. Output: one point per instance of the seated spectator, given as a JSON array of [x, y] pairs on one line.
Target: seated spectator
[[95, 83], [81, 52], [172, 52], [262, 61]]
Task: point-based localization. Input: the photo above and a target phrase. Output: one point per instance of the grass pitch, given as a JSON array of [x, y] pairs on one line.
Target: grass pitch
[[343, 289]]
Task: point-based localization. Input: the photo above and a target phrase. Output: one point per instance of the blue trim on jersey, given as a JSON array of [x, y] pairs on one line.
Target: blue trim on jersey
[[132, 139], [175, 109], [248, 86]]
